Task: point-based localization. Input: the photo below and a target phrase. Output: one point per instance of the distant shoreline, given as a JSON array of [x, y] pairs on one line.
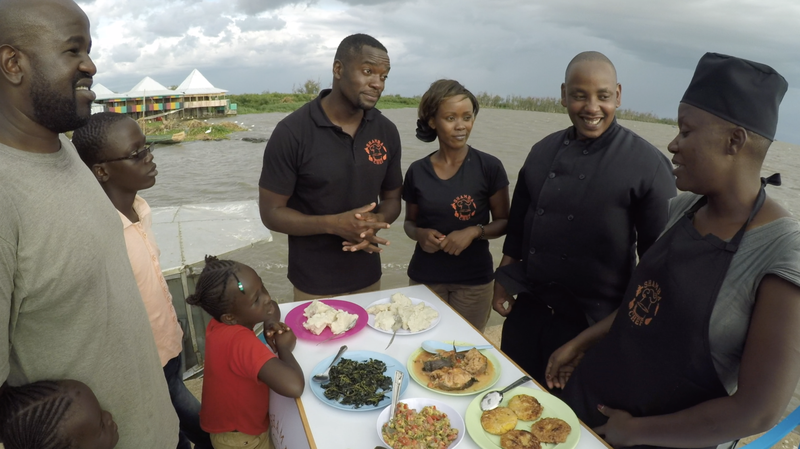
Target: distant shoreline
[[280, 102]]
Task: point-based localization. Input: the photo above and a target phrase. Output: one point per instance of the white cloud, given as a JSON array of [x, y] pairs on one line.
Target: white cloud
[[503, 46]]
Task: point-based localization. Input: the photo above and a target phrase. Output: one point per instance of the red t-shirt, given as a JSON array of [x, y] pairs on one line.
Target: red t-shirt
[[233, 397]]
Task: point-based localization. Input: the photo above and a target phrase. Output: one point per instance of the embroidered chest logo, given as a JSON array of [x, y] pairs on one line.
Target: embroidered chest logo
[[644, 306], [464, 207], [376, 152]]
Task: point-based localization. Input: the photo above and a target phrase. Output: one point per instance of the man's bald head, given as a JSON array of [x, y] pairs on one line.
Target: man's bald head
[[588, 56], [23, 22], [45, 68]]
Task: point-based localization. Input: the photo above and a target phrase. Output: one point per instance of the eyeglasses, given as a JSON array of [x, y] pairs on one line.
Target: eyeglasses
[[136, 156]]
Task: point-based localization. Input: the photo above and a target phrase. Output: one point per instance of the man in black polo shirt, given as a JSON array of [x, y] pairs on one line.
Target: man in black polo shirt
[[331, 177], [586, 200]]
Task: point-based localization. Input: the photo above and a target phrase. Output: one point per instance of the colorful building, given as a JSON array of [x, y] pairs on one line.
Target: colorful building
[[195, 97]]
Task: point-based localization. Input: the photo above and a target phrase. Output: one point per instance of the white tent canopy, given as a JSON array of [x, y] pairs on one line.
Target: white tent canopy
[[148, 87], [103, 93], [197, 84]]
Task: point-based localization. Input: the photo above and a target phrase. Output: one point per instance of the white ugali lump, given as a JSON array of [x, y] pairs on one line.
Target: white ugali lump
[[415, 317], [320, 315], [343, 321]]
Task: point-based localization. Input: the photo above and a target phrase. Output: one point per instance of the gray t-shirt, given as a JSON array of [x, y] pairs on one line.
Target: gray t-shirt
[[773, 248], [69, 304]]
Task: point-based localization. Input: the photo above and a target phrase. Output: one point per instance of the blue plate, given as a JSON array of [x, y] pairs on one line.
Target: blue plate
[[392, 365]]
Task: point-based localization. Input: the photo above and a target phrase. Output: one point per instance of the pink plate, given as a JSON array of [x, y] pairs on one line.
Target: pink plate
[[295, 319]]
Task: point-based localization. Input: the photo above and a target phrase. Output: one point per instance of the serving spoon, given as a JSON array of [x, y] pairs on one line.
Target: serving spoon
[[325, 375], [434, 346], [398, 382], [492, 399]]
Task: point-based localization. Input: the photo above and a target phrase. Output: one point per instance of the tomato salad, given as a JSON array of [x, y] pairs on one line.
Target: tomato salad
[[428, 429]]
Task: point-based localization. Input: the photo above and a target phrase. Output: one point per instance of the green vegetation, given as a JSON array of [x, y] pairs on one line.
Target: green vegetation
[[277, 102], [550, 104], [194, 129]]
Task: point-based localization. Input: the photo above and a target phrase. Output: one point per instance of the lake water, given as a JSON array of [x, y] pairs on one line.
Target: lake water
[[224, 171]]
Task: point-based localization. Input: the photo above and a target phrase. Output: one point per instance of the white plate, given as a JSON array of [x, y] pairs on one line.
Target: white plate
[[414, 301], [456, 421]]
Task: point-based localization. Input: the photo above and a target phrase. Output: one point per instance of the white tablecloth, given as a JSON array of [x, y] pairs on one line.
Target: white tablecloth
[[309, 423]]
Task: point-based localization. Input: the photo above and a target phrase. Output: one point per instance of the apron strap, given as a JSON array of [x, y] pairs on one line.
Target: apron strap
[[774, 180]]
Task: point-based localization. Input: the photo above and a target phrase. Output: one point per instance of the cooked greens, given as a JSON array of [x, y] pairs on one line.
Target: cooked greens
[[358, 383]]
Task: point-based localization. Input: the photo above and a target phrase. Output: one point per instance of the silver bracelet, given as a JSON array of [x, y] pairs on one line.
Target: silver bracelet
[[483, 232]]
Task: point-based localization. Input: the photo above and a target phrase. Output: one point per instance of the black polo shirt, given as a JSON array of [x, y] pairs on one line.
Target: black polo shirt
[[449, 205], [325, 171], [580, 211]]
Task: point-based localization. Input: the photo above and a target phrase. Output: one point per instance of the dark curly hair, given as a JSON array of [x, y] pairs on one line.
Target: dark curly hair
[[90, 140], [209, 293], [439, 91], [30, 415], [352, 45]]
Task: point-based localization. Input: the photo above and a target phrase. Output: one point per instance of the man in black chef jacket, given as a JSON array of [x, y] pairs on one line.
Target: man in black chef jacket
[[587, 199]]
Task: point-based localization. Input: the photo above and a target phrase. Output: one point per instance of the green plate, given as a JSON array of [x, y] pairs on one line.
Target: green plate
[[423, 381], [553, 408]]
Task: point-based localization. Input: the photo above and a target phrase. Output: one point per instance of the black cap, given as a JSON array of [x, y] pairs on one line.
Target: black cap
[[743, 92]]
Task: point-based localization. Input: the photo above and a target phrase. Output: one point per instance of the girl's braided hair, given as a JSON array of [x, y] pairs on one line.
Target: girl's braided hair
[[30, 416], [209, 293]]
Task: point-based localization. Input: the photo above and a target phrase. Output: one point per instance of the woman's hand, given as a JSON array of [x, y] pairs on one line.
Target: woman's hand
[[458, 241], [429, 239], [562, 363], [615, 430]]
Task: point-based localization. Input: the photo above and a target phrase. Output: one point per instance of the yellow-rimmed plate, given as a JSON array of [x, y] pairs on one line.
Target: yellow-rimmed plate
[[491, 377], [553, 408]]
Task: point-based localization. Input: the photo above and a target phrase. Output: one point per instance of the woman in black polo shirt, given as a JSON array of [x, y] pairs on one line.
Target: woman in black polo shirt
[[456, 198]]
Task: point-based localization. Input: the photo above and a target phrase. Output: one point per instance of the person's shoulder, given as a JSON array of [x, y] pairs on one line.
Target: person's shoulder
[[379, 119], [419, 163], [486, 158], [299, 116], [556, 138], [640, 144], [682, 202]]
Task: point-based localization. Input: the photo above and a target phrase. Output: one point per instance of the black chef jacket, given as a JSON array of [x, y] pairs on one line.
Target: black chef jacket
[[581, 209]]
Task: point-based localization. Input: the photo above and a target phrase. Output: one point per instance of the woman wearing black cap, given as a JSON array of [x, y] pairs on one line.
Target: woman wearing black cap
[[704, 347]]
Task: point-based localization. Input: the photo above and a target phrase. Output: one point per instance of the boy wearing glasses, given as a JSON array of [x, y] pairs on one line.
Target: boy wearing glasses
[[114, 148]]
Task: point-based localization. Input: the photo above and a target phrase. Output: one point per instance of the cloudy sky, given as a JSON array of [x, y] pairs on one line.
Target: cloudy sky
[[504, 47]]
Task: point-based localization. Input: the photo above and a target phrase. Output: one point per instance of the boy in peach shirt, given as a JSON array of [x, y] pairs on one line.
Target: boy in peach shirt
[[114, 148]]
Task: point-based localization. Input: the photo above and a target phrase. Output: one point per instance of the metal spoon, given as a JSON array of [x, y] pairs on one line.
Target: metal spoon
[[492, 399], [398, 382], [325, 375], [434, 346]]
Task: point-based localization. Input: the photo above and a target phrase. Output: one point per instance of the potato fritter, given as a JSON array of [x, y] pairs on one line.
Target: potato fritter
[[519, 439], [499, 420], [551, 430], [526, 407]]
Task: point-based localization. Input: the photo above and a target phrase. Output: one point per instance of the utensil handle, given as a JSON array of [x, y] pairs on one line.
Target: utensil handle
[[398, 382], [339, 354], [516, 383]]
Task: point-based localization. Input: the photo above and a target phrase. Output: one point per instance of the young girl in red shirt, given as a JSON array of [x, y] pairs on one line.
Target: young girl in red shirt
[[239, 369]]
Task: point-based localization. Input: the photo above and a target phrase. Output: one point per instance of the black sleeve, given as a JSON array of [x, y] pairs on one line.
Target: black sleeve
[[409, 189], [279, 168], [520, 203]]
